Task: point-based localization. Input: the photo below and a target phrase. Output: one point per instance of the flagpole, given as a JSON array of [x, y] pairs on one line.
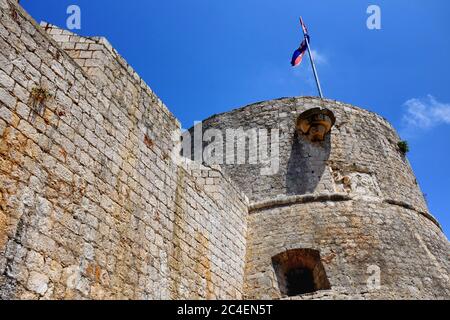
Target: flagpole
[[319, 88]]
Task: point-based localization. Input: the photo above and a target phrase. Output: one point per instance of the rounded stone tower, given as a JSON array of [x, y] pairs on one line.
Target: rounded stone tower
[[341, 214]]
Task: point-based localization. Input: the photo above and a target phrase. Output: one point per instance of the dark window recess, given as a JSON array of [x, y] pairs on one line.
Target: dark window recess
[[300, 271], [299, 281]]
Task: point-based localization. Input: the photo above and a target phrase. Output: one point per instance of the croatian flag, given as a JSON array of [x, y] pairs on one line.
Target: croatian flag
[[299, 53]]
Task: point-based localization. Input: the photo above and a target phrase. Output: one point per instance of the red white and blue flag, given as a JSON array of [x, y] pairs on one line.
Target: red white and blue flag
[[300, 52]]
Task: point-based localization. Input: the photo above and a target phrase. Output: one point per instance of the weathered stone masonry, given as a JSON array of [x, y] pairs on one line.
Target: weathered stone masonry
[[353, 198], [96, 202], [91, 203]]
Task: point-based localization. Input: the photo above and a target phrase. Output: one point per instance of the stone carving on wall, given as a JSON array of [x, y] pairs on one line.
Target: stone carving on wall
[[355, 182]]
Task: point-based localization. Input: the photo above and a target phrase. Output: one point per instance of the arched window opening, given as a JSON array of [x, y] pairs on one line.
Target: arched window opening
[[300, 271]]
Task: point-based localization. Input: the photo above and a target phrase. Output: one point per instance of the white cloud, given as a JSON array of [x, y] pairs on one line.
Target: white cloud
[[319, 58], [425, 113], [304, 70], [303, 76]]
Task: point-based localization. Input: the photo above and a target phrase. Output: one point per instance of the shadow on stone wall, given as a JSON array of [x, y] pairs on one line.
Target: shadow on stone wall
[[306, 164]]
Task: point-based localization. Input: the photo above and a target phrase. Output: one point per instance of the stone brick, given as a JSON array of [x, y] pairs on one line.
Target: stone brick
[[28, 130], [21, 93], [33, 59], [60, 37], [38, 282], [35, 261], [3, 126], [6, 114], [85, 54], [7, 99], [5, 64], [6, 81]]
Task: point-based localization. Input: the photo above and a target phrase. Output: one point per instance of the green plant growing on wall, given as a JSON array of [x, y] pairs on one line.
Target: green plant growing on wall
[[39, 96], [403, 146]]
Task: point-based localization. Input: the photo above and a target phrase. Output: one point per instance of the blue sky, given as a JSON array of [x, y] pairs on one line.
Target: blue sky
[[203, 57]]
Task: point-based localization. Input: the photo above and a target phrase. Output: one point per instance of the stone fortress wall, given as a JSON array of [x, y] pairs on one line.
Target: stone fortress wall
[[96, 203], [362, 146], [352, 197], [92, 205]]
